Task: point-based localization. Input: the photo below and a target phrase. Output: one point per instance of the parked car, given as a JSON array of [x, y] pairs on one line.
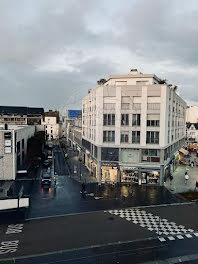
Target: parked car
[[46, 180], [47, 163]]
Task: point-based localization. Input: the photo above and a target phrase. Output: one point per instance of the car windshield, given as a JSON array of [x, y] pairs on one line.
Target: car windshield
[[46, 177]]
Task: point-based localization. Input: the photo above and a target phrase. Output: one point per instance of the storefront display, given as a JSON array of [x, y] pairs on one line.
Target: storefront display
[[150, 177], [109, 174], [129, 175]]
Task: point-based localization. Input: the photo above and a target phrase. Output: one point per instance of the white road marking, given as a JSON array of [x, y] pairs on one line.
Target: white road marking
[[14, 229], [9, 246]]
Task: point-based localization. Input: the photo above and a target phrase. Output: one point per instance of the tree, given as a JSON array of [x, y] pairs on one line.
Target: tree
[[101, 81]]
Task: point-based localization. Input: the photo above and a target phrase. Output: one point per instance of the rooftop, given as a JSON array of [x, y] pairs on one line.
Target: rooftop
[[21, 110]]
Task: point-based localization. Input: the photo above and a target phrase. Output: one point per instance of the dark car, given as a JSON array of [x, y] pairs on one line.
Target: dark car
[[46, 179], [47, 163]]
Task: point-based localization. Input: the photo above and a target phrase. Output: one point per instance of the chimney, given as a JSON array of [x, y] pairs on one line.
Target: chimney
[[6, 126]]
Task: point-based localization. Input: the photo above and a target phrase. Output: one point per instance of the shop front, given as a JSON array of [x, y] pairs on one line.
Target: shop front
[[109, 172], [93, 168], [149, 176], [129, 174]]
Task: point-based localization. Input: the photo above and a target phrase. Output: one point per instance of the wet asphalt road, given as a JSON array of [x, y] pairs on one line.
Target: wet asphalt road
[[60, 166], [76, 229], [66, 197], [99, 237]]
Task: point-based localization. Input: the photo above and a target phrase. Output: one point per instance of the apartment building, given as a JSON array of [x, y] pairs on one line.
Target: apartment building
[[52, 125], [192, 114], [13, 149], [20, 115], [132, 129]]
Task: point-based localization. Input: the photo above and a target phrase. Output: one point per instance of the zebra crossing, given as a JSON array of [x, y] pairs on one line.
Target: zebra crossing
[[165, 229]]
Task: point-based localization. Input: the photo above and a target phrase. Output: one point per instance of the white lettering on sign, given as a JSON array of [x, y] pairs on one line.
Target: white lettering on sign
[[9, 246], [14, 229]]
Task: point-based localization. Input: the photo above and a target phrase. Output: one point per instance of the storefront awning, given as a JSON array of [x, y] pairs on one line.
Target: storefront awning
[[184, 151]]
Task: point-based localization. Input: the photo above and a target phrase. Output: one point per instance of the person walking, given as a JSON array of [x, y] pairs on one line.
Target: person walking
[[171, 179], [54, 180], [186, 177]]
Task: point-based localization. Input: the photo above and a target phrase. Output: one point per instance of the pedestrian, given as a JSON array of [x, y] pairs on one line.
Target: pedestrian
[[55, 180], [186, 177], [192, 164], [171, 178], [83, 189], [196, 185]]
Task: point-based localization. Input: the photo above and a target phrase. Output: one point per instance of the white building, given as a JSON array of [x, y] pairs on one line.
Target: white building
[[52, 125], [192, 132], [192, 114], [13, 149], [131, 128]]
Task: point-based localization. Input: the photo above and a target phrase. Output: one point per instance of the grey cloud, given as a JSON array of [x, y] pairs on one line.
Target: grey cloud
[[34, 31]]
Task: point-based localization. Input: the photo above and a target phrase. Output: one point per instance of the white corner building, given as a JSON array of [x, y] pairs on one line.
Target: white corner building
[[13, 149], [132, 128]]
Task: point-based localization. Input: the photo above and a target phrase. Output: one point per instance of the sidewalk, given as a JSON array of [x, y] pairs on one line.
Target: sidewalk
[[178, 184], [72, 162]]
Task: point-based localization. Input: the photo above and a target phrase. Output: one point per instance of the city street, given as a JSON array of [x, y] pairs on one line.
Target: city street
[[66, 197], [108, 224], [139, 227]]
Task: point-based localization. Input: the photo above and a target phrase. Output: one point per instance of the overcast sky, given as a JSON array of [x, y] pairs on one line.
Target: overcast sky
[[53, 51]]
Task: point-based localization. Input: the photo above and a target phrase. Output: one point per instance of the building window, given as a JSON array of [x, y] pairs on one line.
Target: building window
[[151, 155], [137, 106], [109, 120], [109, 106], [108, 136], [153, 106], [142, 82], [124, 119], [136, 120], [153, 123], [135, 136], [152, 137], [125, 106], [124, 138]]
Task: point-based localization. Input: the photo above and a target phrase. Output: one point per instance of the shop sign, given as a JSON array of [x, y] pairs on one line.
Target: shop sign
[[109, 164], [130, 168], [149, 169]]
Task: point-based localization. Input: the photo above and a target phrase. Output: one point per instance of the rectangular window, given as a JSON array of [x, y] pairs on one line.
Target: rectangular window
[[153, 123], [109, 120], [152, 137], [151, 155], [135, 136], [109, 106], [108, 136], [125, 106], [136, 120], [124, 119], [142, 82], [124, 138], [136, 106], [153, 106]]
